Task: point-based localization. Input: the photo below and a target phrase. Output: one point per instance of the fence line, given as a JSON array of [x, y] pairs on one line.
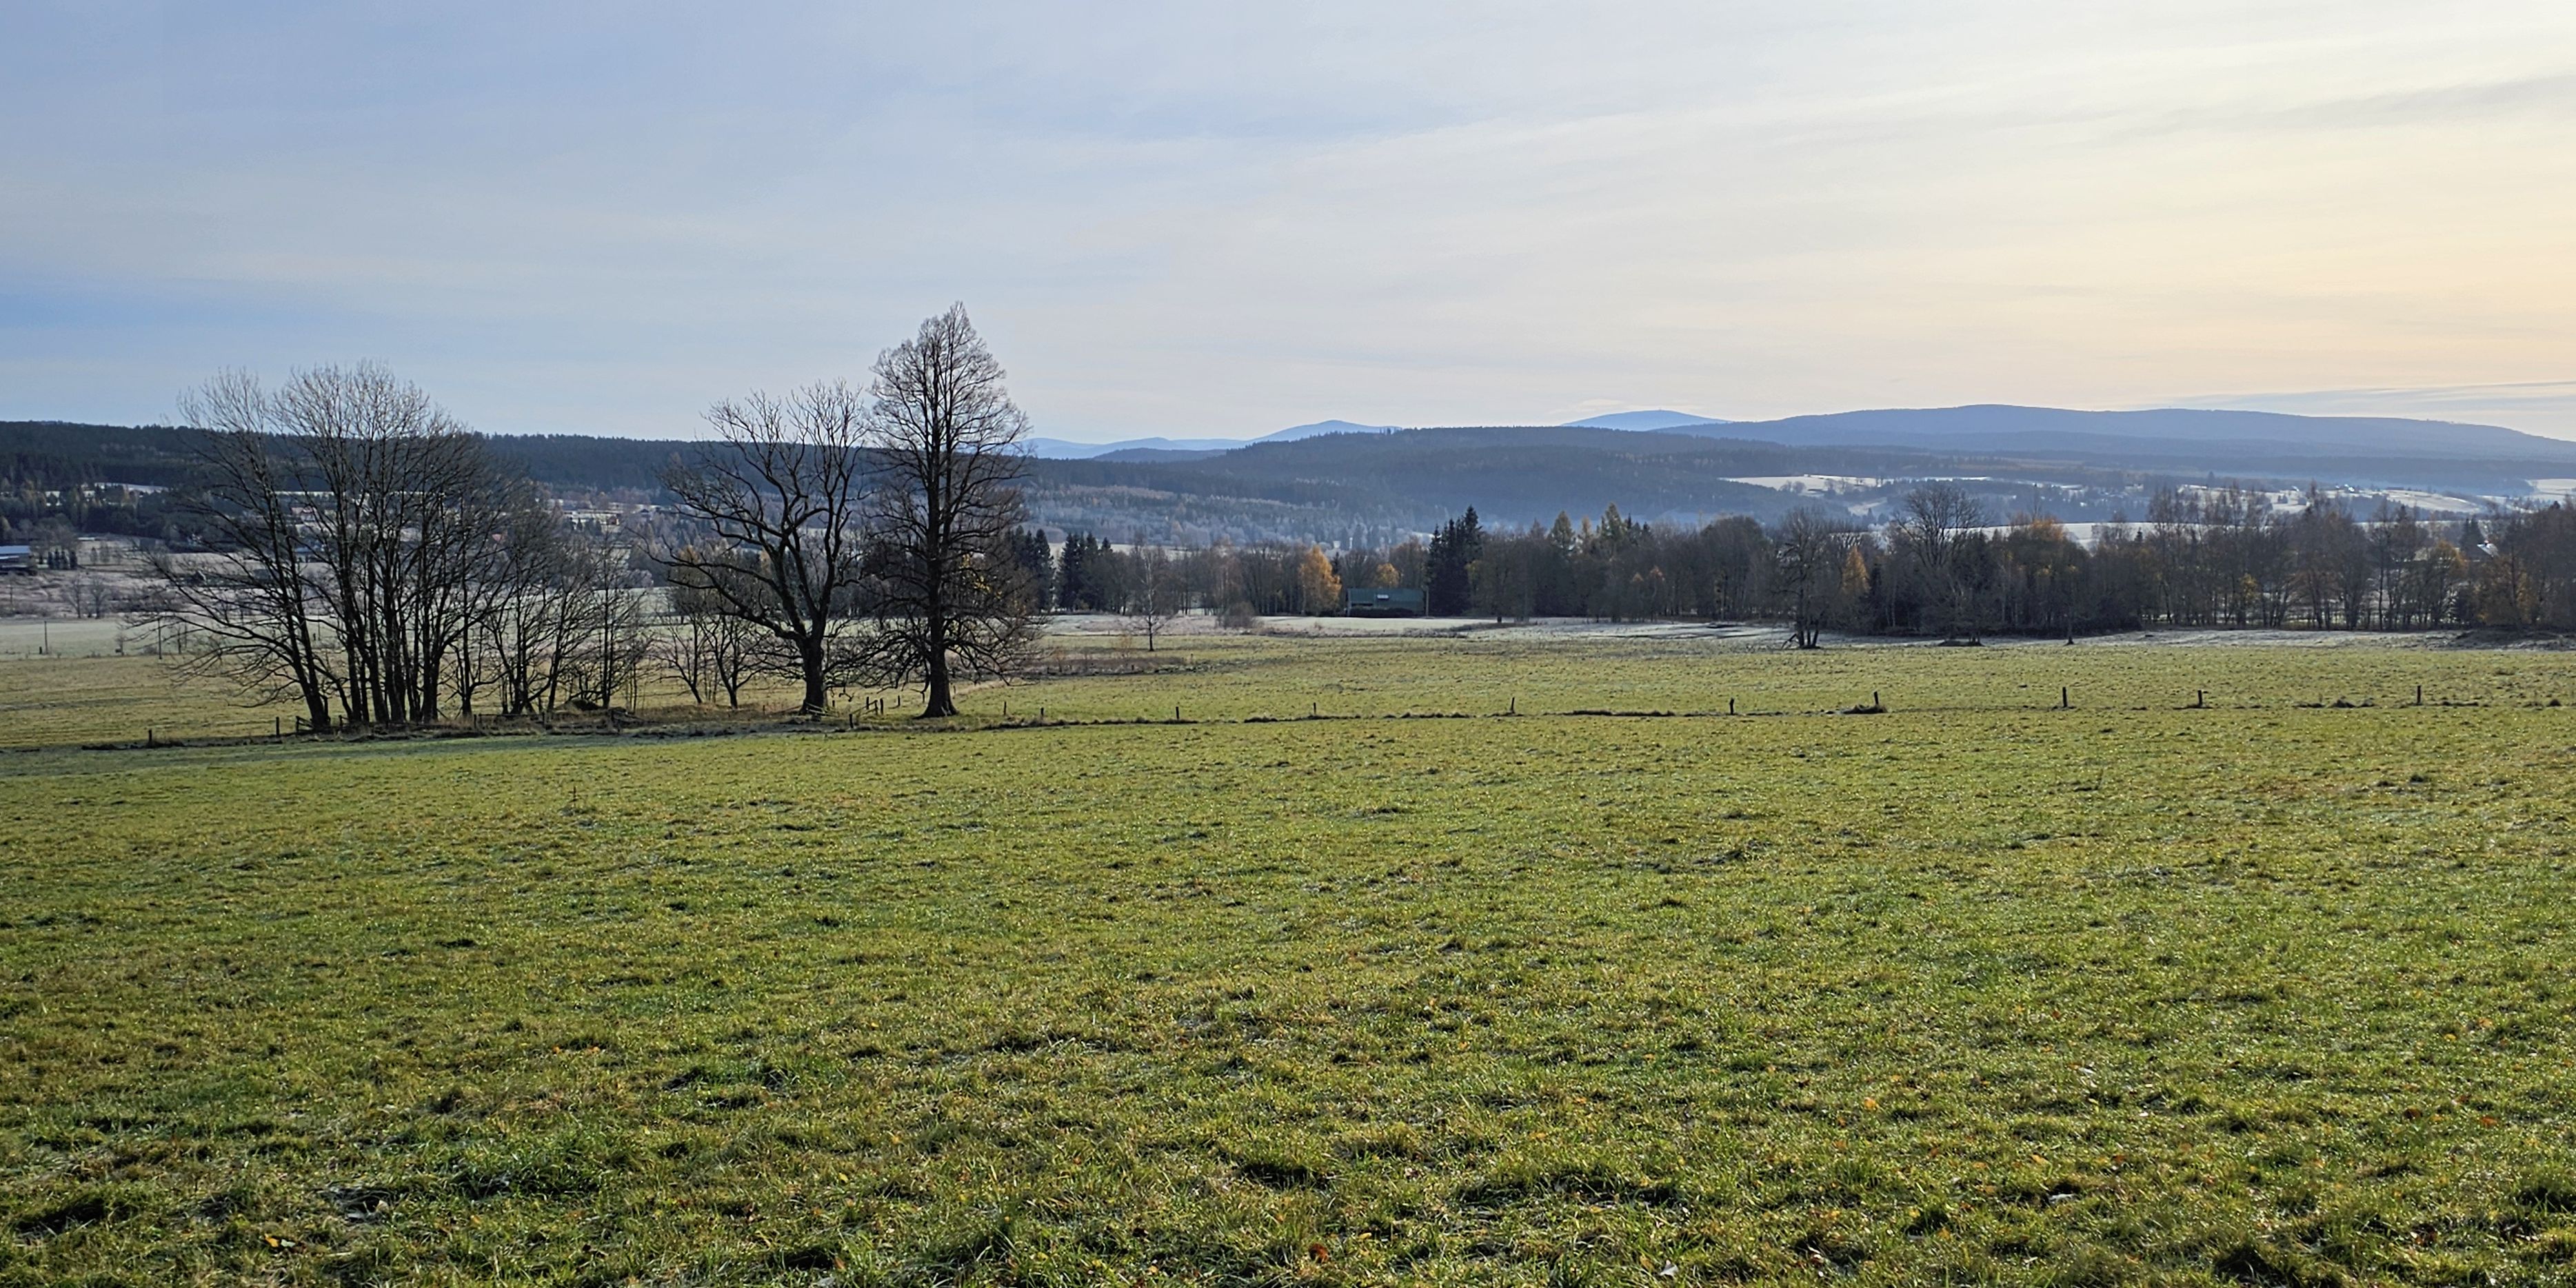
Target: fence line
[[156, 737]]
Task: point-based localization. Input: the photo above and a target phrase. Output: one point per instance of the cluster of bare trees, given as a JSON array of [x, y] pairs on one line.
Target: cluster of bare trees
[[566, 622], [2528, 577], [1151, 585], [1942, 566], [711, 651], [367, 558], [370, 561], [2205, 558], [868, 533]]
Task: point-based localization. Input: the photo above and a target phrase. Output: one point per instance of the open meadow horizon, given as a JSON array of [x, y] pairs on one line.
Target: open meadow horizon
[[2270, 989], [1821, 643]]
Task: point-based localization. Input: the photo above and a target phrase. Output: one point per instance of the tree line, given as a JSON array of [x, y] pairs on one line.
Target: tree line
[[1092, 575], [1942, 566], [370, 559]]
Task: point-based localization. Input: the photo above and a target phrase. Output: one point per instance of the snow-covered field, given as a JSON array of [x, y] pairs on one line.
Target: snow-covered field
[[81, 637], [70, 637], [2438, 504], [1825, 483]]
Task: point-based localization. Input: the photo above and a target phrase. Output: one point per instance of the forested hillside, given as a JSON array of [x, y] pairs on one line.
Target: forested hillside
[[1375, 488], [1331, 488]]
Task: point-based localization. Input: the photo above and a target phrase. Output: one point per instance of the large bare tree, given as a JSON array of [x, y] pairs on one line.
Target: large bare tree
[[950, 602], [783, 496]]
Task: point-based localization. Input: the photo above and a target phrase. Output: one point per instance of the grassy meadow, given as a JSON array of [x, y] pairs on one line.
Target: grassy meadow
[[2273, 991]]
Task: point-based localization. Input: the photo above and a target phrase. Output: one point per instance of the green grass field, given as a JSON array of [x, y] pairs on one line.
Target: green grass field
[[1974, 991]]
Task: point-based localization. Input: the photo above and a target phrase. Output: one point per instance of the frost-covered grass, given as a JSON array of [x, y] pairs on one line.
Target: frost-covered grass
[[1977, 990]]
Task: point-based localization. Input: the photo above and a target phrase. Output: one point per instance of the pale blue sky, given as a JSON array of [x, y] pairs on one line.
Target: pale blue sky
[[1193, 219]]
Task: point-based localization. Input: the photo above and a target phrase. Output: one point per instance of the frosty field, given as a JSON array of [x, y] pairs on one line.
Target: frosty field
[[2267, 990]]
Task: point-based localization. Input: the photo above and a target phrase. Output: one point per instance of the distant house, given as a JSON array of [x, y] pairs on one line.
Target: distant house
[[18, 559], [1384, 602]]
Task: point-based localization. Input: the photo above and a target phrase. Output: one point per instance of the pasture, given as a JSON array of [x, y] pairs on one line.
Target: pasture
[[2272, 990]]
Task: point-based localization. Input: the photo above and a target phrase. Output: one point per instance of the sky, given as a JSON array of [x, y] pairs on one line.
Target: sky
[[1203, 220]]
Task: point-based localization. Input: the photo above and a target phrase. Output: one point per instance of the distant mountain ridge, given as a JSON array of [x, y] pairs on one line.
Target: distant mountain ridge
[[1336, 480], [1321, 428], [1644, 420], [1062, 449], [1058, 449], [2162, 432], [2162, 438]]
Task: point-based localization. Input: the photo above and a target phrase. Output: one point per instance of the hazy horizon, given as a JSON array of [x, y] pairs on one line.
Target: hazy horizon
[[1198, 224]]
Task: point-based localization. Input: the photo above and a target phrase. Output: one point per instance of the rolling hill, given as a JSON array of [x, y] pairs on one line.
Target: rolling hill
[[2161, 439], [1644, 420], [1335, 480]]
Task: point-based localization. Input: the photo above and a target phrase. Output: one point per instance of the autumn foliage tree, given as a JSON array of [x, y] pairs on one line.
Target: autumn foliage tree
[[1318, 589]]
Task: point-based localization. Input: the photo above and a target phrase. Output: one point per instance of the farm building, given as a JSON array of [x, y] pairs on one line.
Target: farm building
[[1383, 602]]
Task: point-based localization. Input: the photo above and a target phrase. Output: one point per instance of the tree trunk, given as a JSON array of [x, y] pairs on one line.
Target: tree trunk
[[809, 654], [937, 701]]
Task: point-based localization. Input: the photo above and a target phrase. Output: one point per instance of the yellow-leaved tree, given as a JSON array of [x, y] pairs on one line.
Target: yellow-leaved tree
[[1318, 590]]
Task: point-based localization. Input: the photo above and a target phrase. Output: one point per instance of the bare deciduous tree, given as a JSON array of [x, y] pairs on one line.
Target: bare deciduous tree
[[1810, 551], [512, 581], [1934, 527], [92, 595], [248, 604], [609, 652], [949, 599], [1155, 593], [533, 621], [783, 497], [709, 651]]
